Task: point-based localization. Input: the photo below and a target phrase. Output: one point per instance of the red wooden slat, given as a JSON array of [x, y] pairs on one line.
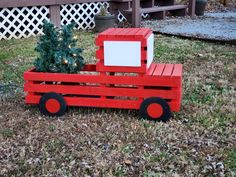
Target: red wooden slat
[[174, 106], [88, 78], [168, 70], [130, 31], [97, 102], [113, 38], [177, 70], [121, 33], [103, 35], [101, 91], [117, 32], [89, 67], [159, 69], [107, 32], [151, 69], [101, 67], [100, 53], [92, 102], [143, 32]]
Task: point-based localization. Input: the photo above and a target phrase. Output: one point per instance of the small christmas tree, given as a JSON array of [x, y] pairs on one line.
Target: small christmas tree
[[68, 57], [57, 50], [47, 47]]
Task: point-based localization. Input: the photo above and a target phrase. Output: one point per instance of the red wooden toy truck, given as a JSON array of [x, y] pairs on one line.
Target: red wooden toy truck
[[124, 77]]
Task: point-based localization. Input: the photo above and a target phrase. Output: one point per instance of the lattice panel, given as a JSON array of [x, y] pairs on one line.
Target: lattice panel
[[121, 17], [22, 22], [83, 14]]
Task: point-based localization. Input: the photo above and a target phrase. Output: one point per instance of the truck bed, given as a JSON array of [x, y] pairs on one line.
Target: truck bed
[[94, 89]]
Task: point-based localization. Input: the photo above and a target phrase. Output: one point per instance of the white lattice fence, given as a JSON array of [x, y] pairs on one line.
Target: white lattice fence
[[26, 21], [83, 14], [22, 22]]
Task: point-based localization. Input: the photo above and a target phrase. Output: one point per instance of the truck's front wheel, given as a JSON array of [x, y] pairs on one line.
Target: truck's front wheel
[[156, 109], [52, 104]]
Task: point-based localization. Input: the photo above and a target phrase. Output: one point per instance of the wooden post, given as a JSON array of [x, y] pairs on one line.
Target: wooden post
[[191, 8], [136, 16], [55, 16]]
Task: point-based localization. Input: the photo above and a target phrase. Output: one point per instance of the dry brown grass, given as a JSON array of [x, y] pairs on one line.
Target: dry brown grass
[[198, 141]]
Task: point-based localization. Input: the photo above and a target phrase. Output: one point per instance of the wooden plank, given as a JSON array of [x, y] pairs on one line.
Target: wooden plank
[[151, 69], [159, 70], [143, 32], [121, 0], [89, 67], [100, 41], [178, 68], [92, 102], [27, 3], [100, 53], [101, 91], [88, 78], [191, 8], [104, 103], [128, 69], [136, 16], [168, 70], [159, 9], [55, 16], [123, 34]]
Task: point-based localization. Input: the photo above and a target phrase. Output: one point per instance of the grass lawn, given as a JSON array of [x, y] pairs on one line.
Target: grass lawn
[[198, 141]]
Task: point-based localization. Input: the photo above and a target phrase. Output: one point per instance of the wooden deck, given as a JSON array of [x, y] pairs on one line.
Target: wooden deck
[[157, 9]]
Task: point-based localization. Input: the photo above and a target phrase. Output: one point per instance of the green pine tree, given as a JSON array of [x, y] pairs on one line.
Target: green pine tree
[[68, 57], [57, 50], [47, 47]]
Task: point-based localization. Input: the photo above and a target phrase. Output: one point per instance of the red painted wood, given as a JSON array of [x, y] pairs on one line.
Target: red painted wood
[[52, 105], [151, 69], [102, 91], [142, 31], [168, 70], [92, 102], [96, 102], [96, 87], [178, 69], [133, 32], [89, 67], [100, 41], [101, 67], [155, 110], [159, 69], [124, 34], [100, 53], [146, 80]]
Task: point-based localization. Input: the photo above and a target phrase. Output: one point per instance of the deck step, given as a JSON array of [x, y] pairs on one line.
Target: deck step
[[159, 8]]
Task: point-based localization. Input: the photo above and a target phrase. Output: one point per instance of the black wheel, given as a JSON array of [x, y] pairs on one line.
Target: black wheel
[[52, 104], [156, 109]]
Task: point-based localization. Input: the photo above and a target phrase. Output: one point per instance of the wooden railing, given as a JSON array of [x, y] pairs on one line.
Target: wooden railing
[[54, 6], [136, 17], [23, 18]]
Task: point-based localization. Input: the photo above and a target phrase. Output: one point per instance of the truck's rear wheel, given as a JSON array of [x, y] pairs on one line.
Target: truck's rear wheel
[[156, 109], [52, 104]]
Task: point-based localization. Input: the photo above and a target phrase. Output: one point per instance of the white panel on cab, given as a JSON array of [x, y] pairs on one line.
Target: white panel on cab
[[150, 49], [122, 53]]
